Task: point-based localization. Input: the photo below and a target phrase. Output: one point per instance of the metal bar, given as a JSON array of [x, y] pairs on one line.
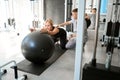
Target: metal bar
[[79, 41], [15, 72], [65, 10], [96, 33], [91, 5], [8, 63]]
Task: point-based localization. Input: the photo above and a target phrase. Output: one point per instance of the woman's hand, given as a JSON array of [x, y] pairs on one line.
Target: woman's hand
[[32, 29], [43, 30]]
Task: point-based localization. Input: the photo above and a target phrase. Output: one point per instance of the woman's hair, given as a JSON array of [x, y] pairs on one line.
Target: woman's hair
[[50, 21]]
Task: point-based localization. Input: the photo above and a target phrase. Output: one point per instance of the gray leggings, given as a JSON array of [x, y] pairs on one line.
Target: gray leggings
[[71, 44]]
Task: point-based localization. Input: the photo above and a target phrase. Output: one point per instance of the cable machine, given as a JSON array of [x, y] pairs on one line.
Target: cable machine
[[35, 12], [97, 71], [10, 13], [113, 26], [4, 71]]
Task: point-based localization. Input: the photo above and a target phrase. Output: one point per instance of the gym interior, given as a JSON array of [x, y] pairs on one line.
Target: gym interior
[[99, 60]]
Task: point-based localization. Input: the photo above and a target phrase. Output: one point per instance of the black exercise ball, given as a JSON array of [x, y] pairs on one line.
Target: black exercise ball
[[37, 47]]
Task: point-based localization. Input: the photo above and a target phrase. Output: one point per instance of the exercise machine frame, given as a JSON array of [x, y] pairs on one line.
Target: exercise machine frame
[[3, 71]]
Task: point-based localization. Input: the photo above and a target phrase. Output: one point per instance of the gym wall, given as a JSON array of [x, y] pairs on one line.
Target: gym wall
[[54, 9]]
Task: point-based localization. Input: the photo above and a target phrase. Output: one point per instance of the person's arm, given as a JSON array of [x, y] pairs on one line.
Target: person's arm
[[53, 32], [65, 23]]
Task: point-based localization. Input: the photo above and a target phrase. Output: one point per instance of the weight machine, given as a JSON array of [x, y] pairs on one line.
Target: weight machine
[[98, 71], [3, 71], [113, 27]]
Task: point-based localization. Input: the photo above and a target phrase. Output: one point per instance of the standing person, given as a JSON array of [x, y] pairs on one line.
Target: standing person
[[92, 17], [88, 21], [72, 41], [55, 32]]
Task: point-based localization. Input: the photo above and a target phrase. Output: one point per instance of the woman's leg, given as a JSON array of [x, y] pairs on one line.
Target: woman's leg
[[63, 38], [63, 42], [71, 43]]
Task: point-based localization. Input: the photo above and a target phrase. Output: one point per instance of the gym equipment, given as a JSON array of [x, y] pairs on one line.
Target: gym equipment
[[97, 71], [11, 22], [113, 34], [35, 24], [37, 69], [37, 47], [113, 31], [3, 71], [9, 14]]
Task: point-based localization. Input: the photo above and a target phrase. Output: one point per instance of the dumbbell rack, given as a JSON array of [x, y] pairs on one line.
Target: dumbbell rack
[[3, 71]]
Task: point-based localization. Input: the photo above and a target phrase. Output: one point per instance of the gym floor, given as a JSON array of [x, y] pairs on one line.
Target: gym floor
[[62, 69]]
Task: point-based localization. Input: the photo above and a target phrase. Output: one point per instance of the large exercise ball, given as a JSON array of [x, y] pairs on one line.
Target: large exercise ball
[[37, 47]]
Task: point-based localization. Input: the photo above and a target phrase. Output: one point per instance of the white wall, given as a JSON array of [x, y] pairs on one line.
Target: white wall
[[3, 15]]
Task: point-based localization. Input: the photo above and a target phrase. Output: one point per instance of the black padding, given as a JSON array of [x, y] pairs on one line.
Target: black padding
[[116, 31], [100, 72], [37, 69], [109, 28]]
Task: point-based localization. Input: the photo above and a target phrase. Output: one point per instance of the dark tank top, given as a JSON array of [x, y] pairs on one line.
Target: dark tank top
[[61, 32]]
